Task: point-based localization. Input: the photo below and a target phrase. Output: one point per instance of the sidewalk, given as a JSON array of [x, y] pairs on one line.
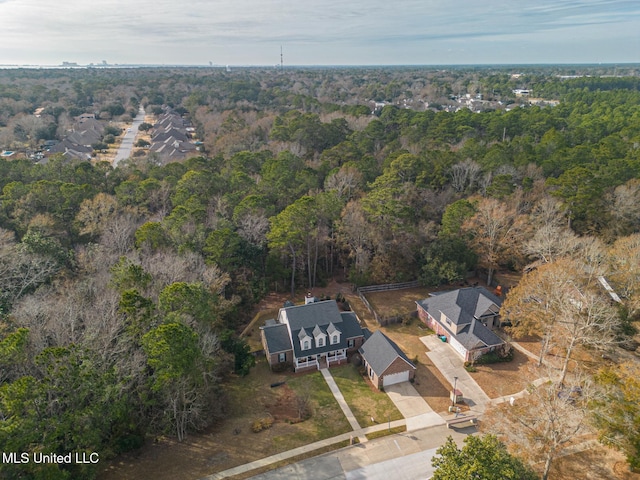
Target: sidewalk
[[340, 399], [451, 365], [521, 349]]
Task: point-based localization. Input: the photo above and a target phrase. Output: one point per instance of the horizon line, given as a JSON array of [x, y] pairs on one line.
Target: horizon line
[[74, 65]]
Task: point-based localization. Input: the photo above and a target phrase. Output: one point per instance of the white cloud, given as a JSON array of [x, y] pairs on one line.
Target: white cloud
[[317, 31]]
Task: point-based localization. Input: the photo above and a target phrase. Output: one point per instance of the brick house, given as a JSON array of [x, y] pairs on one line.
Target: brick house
[[466, 317], [311, 336]]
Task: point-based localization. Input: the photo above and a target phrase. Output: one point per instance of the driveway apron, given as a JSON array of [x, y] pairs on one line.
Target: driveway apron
[[412, 406]]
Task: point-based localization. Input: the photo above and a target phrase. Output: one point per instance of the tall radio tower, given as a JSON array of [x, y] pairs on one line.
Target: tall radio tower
[[281, 59]]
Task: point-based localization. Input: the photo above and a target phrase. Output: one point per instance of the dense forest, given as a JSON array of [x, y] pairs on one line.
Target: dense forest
[[122, 290]]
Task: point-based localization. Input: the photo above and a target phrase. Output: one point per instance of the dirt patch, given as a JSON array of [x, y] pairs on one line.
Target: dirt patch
[[532, 344], [432, 386], [284, 408]]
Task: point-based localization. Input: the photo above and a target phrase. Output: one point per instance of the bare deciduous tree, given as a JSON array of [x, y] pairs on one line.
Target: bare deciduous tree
[[624, 258], [354, 233], [494, 229], [253, 228], [344, 182], [542, 423], [464, 175], [560, 301]]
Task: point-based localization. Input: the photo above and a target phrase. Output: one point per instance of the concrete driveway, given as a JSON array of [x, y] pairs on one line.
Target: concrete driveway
[[412, 406], [451, 365]]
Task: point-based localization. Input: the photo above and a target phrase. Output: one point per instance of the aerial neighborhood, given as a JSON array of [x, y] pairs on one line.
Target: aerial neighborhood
[[214, 272]]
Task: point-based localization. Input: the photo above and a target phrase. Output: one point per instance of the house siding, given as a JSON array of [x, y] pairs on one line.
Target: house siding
[[431, 322], [377, 381], [273, 357], [397, 366]]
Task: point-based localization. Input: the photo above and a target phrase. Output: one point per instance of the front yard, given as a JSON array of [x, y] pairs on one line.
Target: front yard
[[364, 400], [232, 441]]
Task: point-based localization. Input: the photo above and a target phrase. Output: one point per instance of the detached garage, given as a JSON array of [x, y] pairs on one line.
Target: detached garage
[[384, 362]]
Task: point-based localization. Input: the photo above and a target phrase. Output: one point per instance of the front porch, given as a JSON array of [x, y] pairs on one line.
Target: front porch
[[336, 357]]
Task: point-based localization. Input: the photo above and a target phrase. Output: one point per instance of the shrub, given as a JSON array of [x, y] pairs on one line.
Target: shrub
[[261, 424], [495, 357], [469, 367]]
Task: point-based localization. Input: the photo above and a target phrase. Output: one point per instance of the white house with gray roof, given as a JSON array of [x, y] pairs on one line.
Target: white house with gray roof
[[311, 336], [466, 317]]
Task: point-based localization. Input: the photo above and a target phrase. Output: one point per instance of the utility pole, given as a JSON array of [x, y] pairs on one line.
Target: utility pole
[[455, 396]]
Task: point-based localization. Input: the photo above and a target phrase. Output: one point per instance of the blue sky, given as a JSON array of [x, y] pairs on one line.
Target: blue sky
[[319, 32]]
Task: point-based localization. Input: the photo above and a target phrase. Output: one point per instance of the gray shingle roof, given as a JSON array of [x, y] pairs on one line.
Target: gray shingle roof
[[308, 316], [277, 338], [320, 316], [379, 351], [476, 335], [350, 326], [461, 307]]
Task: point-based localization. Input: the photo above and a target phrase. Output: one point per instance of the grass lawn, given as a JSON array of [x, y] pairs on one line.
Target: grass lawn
[[363, 399], [327, 419]]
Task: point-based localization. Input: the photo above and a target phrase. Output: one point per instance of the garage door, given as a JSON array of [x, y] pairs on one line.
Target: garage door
[[457, 346], [395, 378]]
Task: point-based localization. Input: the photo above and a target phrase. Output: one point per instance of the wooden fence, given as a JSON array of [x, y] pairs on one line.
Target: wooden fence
[[382, 321]]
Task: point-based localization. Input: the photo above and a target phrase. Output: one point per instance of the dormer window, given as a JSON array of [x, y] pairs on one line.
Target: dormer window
[[334, 334], [319, 336], [305, 339]]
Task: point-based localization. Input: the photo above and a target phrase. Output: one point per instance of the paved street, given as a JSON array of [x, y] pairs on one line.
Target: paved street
[[126, 146], [404, 456]]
